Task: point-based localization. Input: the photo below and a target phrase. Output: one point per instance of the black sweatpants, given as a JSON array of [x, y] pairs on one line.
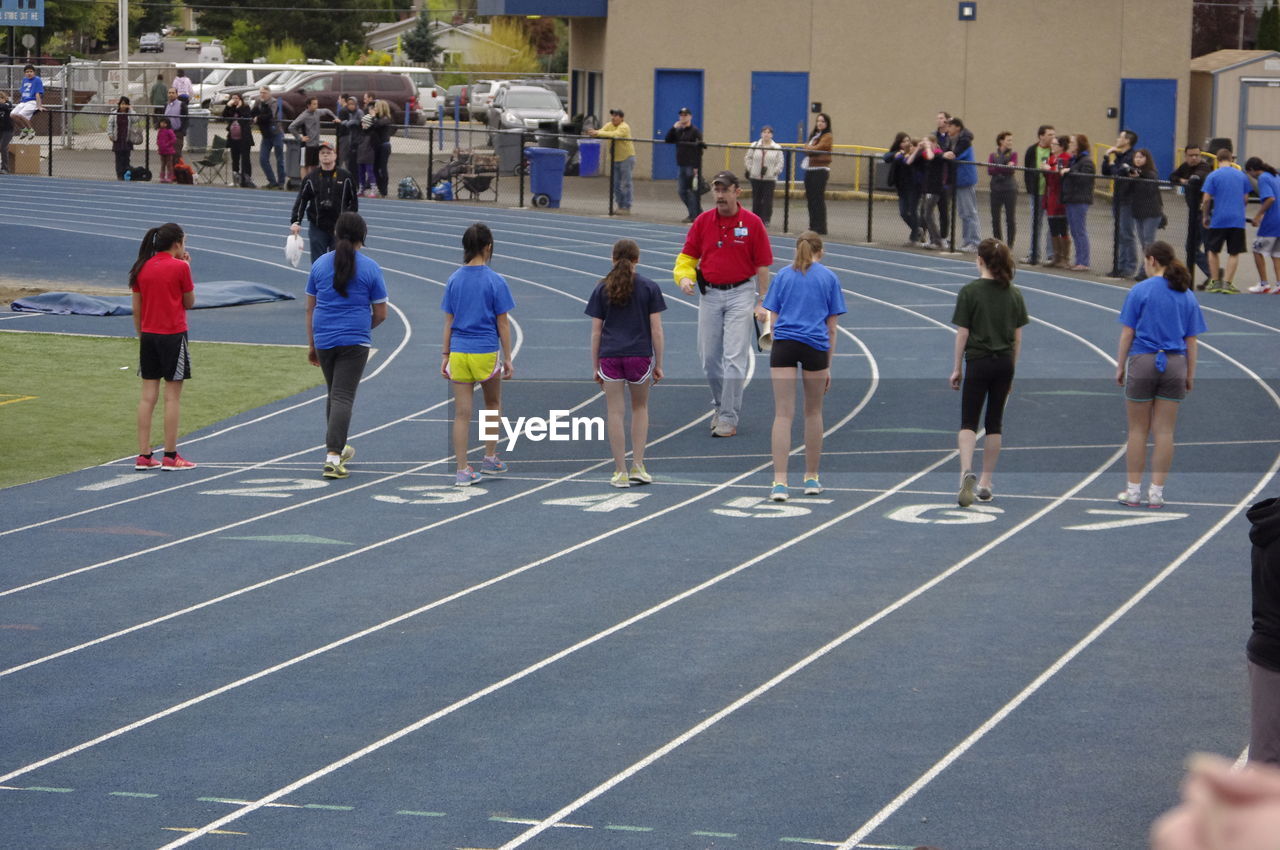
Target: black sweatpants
[[343, 366]]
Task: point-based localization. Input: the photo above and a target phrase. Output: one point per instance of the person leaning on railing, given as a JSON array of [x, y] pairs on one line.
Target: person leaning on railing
[[1077, 196], [239, 140], [1148, 209], [618, 131], [902, 178], [763, 166]]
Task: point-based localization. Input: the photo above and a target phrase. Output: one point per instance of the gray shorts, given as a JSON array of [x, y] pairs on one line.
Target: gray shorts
[[1143, 383], [1267, 246]]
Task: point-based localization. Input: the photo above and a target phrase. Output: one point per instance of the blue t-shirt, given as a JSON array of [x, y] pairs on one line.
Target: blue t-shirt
[[1230, 188], [344, 321], [1269, 187], [627, 331], [1161, 318], [803, 301], [475, 296], [30, 88]]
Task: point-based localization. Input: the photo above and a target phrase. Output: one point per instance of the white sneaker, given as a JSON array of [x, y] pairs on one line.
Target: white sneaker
[[1263, 288]]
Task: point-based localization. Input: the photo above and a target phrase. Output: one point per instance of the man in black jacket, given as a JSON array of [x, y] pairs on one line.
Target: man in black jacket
[[1033, 180], [687, 138], [326, 193], [1118, 162], [1190, 175]]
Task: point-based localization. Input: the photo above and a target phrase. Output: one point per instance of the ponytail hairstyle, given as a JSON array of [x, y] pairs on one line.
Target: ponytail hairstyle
[[1175, 272], [1255, 163], [157, 239], [350, 231], [475, 240], [808, 247], [998, 260], [620, 282]]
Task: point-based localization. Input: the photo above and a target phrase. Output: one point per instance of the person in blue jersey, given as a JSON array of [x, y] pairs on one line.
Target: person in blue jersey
[[803, 304], [1267, 220], [1224, 195], [477, 329], [346, 299], [1156, 365], [989, 317]]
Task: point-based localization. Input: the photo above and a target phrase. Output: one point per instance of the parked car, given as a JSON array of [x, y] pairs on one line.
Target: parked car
[[151, 42], [530, 108], [192, 43], [456, 96], [398, 90], [560, 87], [480, 95]]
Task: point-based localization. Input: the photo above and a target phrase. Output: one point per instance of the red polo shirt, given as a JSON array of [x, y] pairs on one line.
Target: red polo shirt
[[162, 280], [729, 248]]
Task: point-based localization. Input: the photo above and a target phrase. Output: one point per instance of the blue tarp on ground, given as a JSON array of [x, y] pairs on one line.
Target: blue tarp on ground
[[222, 293]]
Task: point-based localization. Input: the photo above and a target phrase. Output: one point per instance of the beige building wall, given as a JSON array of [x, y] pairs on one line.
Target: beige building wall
[[879, 66]]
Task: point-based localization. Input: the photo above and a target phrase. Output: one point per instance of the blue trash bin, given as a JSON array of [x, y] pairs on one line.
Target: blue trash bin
[[589, 157], [546, 180]]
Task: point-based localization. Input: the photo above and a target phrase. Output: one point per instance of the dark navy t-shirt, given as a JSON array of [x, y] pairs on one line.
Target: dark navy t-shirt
[[626, 331]]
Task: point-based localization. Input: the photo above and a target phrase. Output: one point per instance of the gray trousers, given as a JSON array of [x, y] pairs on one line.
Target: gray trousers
[[725, 330], [343, 366]]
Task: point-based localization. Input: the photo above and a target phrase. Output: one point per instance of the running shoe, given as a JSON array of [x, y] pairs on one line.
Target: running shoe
[[967, 484], [715, 420], [1128, 499], [492, 466], [335, 468], [620, 480], [984, 494], [144, 462], [169, 464], [1154, 501], [1226, 287], [1260, 288], [1212, 285], [779, 492], [724, 429], [811, 486], [348, 452], [466, 477], [640, 475]]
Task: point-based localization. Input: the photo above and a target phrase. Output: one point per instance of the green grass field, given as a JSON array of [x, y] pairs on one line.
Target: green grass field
[[68, 402]]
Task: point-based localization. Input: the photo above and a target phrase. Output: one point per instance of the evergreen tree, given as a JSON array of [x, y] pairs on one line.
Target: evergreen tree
[[1269, 28], [420, 42]]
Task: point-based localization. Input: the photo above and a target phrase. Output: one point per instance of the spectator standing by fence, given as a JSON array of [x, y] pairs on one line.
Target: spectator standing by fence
[[763, 163], [618, 132], [124, 133], [6, 130], [1077, 197], [1118, 162], [1267, 220], [158, 95], [902, 178], [929, 165], [167, 148], [1004, 188], [943, 140], [1226, 191], [1033, 180], [687, 138], [173, 113], [378, 128], [349, 132], [239, 139], [965, 182], [264, 115], [1148, 209], [182, 85], [817, 170], [306, 126], [1054, 209], [1190, 176]]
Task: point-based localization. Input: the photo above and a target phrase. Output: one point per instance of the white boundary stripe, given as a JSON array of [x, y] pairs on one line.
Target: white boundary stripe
[[822, 651], [711, 490]]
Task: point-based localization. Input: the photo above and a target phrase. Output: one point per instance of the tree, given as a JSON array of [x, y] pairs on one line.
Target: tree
[[1218, 25], [1269, 28], [420, 43], [320, 33]]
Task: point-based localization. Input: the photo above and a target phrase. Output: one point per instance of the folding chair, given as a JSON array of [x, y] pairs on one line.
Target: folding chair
[[214, 165]]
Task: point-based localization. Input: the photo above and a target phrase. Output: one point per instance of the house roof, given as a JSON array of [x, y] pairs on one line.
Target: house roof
[[1222, 60]]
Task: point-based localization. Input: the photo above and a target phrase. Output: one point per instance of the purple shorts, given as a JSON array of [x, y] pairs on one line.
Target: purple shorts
[[633, 370]]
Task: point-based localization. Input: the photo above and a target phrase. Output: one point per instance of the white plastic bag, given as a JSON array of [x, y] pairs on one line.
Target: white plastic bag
[[293, 249]]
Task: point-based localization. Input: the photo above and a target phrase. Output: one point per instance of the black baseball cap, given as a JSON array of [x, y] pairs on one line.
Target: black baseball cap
[[617, 112], [684, 110], [728, 178]]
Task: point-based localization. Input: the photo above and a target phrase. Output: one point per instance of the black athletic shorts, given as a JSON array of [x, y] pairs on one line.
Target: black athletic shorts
[[312, 155], [163, 356], [789, 352], [1232, 237]]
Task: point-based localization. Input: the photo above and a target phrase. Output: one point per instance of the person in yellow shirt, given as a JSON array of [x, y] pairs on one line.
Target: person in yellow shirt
[[624, 158]]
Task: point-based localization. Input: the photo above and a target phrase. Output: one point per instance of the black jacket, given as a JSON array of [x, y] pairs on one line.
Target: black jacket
[[6, 123], [689, 145], [324, 196], [1077, 183], [1264, 643], [265, 116], [1192, 179], [243, 116], [1144, 196], [1121, 165], [1031, 177]]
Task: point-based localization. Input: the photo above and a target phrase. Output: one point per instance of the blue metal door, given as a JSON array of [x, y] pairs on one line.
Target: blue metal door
[[780, 99], [1150, 109], [672, 89]]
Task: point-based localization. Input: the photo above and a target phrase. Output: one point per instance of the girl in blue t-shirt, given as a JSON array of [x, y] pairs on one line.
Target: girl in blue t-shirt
[[1156, 365], [346, 299], [476, 304], [626, 350], [803, 301]]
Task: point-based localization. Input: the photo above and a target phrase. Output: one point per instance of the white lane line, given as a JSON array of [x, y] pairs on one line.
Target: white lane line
[[711, 490], [819, 653]]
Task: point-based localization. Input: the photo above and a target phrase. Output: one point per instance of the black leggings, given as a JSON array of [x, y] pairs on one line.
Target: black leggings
[[1004, 202], [343, 366], [988, 380]]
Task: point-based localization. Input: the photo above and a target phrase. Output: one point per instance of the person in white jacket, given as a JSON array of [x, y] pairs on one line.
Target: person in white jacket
[[763, 165]]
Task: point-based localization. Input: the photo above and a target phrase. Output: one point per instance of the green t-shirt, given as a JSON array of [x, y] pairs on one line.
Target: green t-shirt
[[992, 314], [1042, 156]]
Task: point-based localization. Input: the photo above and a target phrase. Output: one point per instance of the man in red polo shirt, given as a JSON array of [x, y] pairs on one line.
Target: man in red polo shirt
[[726, 247]]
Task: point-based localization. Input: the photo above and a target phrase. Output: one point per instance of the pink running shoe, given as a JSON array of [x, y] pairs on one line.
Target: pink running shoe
[[177, 462]]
